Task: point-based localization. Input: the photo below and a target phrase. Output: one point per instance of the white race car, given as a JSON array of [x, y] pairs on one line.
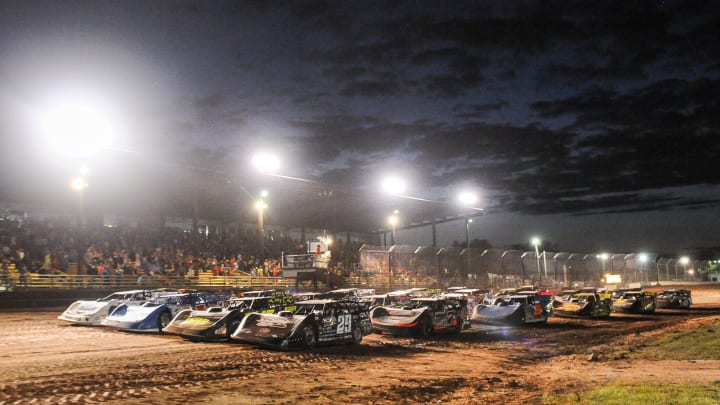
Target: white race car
[[87, 312]]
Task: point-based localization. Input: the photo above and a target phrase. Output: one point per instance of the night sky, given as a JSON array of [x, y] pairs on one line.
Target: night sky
[[592, 124]]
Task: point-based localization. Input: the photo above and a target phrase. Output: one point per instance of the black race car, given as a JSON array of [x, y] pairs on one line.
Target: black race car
[[218, 323], [674, 299], [314, 322], [635, 301]]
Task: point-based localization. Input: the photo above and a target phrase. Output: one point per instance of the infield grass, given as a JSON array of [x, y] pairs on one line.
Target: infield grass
[[694, 344], [623, 394]]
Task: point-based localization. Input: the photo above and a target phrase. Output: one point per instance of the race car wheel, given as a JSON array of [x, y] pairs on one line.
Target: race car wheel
[[164, 320], [460, 324], [357, 335], [231, 326], [310, 337], [521, 318], [426, 327]]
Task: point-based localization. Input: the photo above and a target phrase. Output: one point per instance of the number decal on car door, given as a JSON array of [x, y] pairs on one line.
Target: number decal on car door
[[344, 323]]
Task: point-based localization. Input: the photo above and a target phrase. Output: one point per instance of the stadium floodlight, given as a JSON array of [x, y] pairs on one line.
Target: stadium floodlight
[[78, 184], [266, 162], [77, 129], [394, 185], [468, 199]]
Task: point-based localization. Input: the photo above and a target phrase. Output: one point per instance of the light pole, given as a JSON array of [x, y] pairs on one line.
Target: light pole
[[602, 257], [468, 221], [260, 205], [393, 220], [684, 261], [643, 258], [536, 242], [79, 184], [468, 200]]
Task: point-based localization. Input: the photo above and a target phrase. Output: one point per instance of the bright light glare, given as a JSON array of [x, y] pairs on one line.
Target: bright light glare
[[77, 129], [78, 184], [535, 241], [393, 220], [266, 162], [468, 199], [602, 256], [684, 260], [643, 257], [264, 193], [260, 205], [393, 185]]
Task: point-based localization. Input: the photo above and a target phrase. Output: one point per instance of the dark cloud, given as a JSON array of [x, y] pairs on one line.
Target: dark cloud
[[367, 88], [573, 107]]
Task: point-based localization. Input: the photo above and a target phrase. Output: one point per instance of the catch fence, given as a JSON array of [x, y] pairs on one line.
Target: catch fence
[[500, 268]]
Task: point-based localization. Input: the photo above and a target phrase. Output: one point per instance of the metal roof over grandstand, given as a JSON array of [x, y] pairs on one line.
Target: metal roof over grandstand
[[173, 189]]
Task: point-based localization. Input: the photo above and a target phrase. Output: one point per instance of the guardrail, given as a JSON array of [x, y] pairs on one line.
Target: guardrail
[[203, 280], [33, 280]]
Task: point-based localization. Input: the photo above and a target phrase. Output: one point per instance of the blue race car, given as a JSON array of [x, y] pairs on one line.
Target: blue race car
[[94, 312], [154, 316]]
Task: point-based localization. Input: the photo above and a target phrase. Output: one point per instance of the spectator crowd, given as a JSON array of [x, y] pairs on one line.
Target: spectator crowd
[[45, 247]]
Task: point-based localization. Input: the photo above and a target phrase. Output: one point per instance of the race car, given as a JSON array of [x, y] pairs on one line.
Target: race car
[[315, 322], [635, 301], [422, 316], [396, 299], [363, 295], [93, 312], [583, 305], [155, 315], [218, 323], [512, 309], [305, 296], [674, 299]]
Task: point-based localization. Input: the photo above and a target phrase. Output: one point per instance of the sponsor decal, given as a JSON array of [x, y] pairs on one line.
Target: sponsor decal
[[272, 322], [196, 321]]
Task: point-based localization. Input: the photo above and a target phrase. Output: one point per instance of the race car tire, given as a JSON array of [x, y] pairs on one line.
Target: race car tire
[[231, 326], [309, 337], [357, 335], [459, 326], [426, 326], [164, 320], [521, 317]]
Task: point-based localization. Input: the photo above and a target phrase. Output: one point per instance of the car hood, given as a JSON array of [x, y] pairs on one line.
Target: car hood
[[495, 311], [134, 313], [86, 307], [268, 325]]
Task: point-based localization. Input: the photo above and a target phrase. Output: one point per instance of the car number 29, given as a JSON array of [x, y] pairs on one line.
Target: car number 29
[[344, 323]]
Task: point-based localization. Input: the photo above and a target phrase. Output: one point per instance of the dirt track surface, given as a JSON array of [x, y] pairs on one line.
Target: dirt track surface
[[43, 360]]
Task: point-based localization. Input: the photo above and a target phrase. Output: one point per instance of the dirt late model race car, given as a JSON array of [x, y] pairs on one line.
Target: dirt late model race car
[[421, 316], [94, 312], [513, 309], [155, 315], [218, 323], [315, 322], [583, 305], [674, 299], [636, 302]]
